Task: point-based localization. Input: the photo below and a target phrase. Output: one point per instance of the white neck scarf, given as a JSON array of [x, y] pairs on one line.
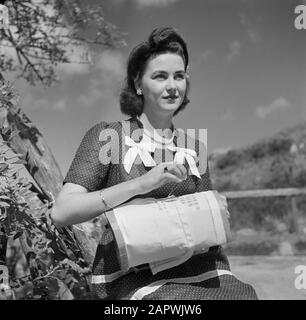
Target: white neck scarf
[[149, 143]]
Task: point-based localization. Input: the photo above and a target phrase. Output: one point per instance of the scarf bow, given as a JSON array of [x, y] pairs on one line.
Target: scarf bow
[[143, 149], [189, 155]]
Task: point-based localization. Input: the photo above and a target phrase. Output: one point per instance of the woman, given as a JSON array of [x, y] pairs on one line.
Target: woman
[[156, 90]]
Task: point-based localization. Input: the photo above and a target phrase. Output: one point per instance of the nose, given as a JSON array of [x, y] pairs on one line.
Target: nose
[[171, 87]]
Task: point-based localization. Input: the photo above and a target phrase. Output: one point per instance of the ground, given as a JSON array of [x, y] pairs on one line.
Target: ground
[[272, 277]]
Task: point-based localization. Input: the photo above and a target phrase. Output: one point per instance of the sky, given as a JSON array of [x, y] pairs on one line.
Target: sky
[[247, 70]]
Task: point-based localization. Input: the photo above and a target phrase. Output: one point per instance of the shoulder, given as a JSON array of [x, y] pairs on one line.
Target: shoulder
[[103, 125], [111, 132], [129, 125], [102, 130]]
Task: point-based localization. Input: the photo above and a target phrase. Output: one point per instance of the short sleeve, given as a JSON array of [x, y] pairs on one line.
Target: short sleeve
[[204, 184], [87, 169]]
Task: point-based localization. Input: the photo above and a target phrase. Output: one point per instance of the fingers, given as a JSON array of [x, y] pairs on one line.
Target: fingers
[[162, 174], [171, 178], [174, 170], [177, 170], [183, 170]]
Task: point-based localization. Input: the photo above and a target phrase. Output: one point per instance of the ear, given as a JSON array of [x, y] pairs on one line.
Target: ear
[[137, 84], [187, 72]]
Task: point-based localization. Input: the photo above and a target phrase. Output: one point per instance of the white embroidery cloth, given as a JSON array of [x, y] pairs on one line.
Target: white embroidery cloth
[[167, 233]]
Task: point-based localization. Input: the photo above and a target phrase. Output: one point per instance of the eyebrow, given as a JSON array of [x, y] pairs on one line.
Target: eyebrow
[[163, 71]]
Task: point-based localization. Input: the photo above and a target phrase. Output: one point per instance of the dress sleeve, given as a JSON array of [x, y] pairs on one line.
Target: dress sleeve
[[203, 184], [87, 169]]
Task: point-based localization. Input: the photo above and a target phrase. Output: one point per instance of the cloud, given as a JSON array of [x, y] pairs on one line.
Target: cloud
[[112, 63], [153, 3], [227, 115], [156, 3], [100, 86], [234, 51], [29, 102], [68, 70], [207, 55], [60, 105], [80, 61], [105, 81], [279, 104], [253, 35], [221, 150]]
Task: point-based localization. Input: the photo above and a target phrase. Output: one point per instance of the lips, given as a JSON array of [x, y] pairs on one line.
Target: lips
[[171, 97]]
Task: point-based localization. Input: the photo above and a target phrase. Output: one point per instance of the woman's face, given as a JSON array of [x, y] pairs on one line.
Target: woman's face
[[163, 83]]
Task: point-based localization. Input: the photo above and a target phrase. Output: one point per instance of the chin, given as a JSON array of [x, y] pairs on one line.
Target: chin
[[170, 107], [169, 110]]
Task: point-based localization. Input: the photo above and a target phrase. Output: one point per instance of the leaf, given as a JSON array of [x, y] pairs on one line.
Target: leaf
[[64, 293], [16, 155], [17, 235], [4, 204], [3, 118], [5, 130], [21, 161], [3, 167], [5, 198], [29, 241]]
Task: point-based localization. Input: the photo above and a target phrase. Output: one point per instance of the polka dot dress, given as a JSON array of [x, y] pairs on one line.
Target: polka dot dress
[[98, 164]]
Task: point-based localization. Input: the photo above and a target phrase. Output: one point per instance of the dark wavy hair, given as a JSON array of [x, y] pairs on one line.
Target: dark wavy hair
[[161, 40]]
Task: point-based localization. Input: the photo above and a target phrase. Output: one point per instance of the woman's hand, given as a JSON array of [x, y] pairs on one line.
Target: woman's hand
[[161, 174]]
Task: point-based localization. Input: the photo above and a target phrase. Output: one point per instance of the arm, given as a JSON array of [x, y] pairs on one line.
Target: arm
[[75, 204], [81, 197]]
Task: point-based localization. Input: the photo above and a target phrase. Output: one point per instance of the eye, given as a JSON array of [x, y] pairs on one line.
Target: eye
[[160, 76], [180, 76]]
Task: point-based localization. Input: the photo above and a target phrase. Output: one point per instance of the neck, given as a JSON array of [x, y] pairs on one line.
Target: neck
[[155, 121], [151, 124]]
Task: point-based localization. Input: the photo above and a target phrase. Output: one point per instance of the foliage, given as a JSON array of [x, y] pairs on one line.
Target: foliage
[[275, 146], [230, 159], [253, 247], [301, 245], [275, 162], [44, 33], [255, 212], [279, 145], [56, 267]]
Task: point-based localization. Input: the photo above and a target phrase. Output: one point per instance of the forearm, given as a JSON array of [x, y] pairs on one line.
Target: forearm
[[78, 207]]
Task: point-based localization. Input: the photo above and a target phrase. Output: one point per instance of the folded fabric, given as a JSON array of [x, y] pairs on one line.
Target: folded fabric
[[167, 232]]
